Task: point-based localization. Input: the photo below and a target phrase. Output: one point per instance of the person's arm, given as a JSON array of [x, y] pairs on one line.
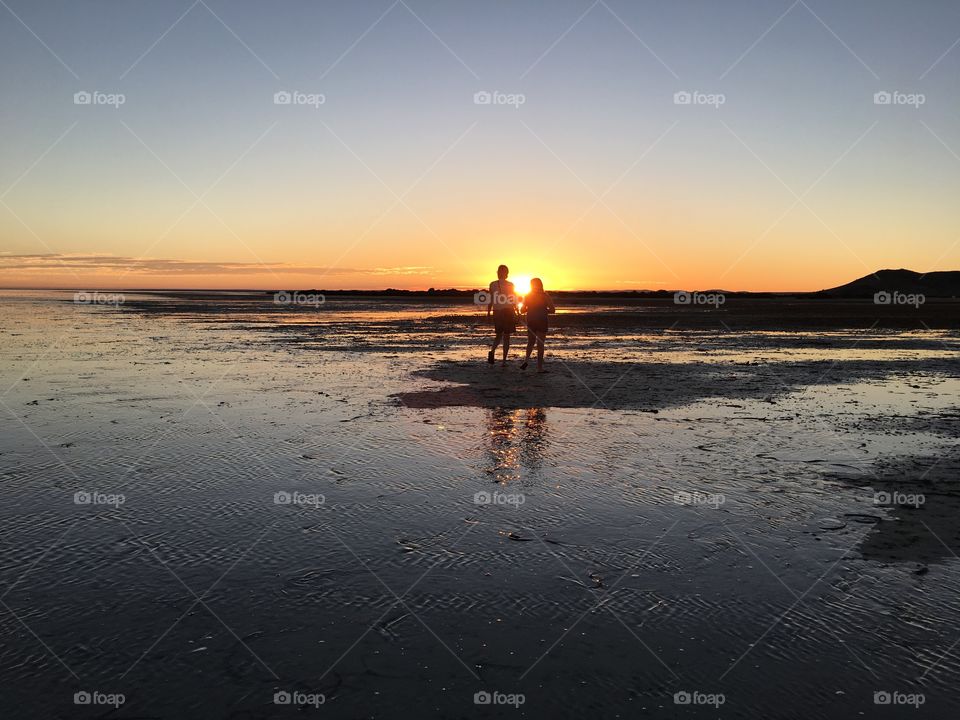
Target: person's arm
[[550, 308], [490, 303]]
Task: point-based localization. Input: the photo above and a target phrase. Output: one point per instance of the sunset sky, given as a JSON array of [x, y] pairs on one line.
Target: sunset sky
[[586, 168]]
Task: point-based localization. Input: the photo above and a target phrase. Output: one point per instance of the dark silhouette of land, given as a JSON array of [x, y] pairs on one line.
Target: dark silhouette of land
[[944, 284]]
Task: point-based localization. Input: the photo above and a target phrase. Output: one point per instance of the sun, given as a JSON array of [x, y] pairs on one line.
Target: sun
[[521, 284]]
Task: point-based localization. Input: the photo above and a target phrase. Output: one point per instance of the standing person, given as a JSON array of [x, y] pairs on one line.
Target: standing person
[[536, 306], [503, 305]]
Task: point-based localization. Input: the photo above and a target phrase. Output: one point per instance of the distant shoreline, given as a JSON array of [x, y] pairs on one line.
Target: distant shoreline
[[431, 292], [456, 294], [942, 284]]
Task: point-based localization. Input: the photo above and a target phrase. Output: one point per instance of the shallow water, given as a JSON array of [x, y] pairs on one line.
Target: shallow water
[[672, 511]]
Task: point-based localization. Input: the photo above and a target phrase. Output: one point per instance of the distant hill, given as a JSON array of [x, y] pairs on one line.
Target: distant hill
[[943, 284]]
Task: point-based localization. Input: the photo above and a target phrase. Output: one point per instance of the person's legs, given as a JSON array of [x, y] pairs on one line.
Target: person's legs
[[531, 340], [541, 339], [506, 346], [496, 341]]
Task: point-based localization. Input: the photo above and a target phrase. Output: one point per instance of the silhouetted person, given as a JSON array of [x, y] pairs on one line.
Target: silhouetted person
[[537, 305], [503, 305]]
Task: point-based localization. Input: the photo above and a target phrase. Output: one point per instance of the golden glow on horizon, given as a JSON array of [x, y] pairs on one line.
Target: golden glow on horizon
[[763, 272], [604, 262]]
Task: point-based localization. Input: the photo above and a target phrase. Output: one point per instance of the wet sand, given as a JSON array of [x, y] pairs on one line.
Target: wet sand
[[703, 510], [649, 386]]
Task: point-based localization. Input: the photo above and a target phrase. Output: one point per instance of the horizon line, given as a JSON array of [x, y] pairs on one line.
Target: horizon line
[[91, 288], [383, 290]]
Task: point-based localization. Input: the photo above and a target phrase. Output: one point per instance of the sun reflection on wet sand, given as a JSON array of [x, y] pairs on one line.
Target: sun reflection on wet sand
[[516, 441]]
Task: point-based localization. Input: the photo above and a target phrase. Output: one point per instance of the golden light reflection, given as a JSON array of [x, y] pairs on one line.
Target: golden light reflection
[[516, 440]]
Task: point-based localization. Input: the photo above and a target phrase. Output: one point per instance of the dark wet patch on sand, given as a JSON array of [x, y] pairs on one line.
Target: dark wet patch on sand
[[917, 500], [944, 424], [638, 386]]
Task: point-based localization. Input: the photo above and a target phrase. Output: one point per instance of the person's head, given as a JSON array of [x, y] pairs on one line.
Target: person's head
[[502, 272], [536, 285]]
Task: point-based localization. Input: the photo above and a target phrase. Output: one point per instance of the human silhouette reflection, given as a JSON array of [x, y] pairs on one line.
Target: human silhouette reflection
[[516, 440]]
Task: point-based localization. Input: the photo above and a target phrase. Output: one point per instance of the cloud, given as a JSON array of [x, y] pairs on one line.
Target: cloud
[[52, 262], [403, 270]]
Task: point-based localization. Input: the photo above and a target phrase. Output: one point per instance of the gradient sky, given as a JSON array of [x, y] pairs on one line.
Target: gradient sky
[[798, 181]]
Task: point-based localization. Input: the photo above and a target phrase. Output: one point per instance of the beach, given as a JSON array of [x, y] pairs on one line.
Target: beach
[[212, 499]]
